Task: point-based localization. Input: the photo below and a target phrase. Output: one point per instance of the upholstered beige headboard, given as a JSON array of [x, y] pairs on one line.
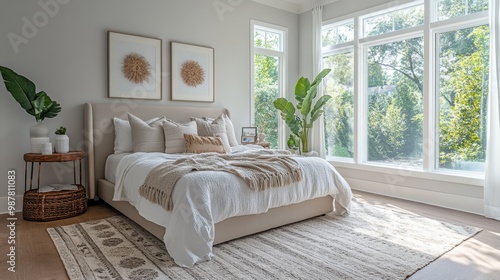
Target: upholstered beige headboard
[[99, 130]]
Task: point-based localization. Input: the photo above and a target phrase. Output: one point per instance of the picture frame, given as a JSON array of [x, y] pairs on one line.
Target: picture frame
[[192, 73], [134, 66], [249, 131], [248, 140]]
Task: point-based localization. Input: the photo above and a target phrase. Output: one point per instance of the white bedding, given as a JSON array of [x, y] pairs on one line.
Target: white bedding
[[204, 198]]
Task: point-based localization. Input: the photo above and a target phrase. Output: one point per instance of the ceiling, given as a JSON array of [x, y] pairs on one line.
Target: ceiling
[[295, 6]]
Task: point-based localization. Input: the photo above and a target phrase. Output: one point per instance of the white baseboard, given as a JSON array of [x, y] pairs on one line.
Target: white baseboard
[[446, 200], [4, 204]]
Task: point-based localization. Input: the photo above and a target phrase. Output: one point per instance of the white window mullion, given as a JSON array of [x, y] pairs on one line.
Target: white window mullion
[[393, 36], [429, 100], [252, 71], [357, 98], [268, 52], [360, 98], [461, 22]]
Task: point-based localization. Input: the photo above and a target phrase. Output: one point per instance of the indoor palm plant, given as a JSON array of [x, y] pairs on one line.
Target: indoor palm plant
[[36, 104], [305, 94]]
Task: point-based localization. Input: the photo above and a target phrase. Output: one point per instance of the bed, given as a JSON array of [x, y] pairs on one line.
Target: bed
[[99, 135]]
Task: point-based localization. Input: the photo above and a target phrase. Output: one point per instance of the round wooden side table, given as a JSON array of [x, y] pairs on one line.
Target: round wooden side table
[[48, 206]]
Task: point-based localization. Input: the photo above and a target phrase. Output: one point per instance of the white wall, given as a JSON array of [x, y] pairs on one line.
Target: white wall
[[455, 193], [67, 58]]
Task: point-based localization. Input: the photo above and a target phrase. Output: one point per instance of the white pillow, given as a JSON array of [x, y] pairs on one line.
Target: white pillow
[[174, 135], [225, 142], [147, 137], [231, 135], [123, 135]]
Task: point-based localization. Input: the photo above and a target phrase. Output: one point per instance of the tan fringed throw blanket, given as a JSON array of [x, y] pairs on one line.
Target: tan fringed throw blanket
[[262, 169]]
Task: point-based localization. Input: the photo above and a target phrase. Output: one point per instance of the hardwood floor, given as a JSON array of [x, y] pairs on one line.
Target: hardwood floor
[[476, 258]]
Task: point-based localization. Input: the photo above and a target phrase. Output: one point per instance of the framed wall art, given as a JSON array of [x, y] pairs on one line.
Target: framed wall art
[[192, 73], [134, 66]]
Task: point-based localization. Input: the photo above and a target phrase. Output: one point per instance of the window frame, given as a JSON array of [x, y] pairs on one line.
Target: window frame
[[282, 56]]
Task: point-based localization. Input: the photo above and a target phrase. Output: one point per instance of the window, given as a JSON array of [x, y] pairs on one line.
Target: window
[[338, 33], [384, 103], [447, 9], [268, 59], [339, 113], [392, 21], [338, 55], [394, 93], [463, 89]]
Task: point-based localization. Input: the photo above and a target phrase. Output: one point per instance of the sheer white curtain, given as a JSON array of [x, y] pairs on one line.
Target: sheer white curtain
[[492, 175], [317, 135]]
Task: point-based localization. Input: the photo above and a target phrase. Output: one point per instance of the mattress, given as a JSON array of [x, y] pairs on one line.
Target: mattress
[[111, 165]]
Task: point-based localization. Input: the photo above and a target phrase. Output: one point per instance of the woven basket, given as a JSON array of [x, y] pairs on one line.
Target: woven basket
[[50, 206]]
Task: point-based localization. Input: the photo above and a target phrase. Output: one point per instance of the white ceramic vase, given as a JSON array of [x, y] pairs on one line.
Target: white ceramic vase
[[311, 154], [39, 134], [61, 144], [262, 137]]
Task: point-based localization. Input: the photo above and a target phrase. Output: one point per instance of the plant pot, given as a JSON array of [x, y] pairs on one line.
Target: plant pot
[[61, 144], [39, 134]]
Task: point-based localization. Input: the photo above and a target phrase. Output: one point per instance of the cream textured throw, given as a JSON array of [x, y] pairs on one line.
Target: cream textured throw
[[261, 170]]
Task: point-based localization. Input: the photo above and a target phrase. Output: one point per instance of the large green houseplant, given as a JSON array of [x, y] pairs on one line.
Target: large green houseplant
[[24, 92], [305, 94], [36, 104]]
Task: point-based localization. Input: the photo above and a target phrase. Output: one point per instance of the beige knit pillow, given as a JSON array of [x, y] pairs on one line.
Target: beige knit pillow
[[196, 144], [231, 136], [147, 137], [207, 128]]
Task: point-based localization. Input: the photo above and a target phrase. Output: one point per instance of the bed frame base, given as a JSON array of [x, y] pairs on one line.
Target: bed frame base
[[231, 228]]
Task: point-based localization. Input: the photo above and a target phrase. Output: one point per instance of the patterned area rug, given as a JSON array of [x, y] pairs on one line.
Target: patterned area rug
[[373, 242]]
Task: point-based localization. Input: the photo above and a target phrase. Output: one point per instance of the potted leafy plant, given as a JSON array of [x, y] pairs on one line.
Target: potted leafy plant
[[61, 141], [305, 94], [36, 104]]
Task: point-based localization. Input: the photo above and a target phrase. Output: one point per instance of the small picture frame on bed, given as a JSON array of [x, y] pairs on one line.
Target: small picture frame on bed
[[249, 131], [248, 140]]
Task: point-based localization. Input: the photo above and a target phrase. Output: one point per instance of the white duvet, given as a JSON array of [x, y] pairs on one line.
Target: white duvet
[[203, 198]]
